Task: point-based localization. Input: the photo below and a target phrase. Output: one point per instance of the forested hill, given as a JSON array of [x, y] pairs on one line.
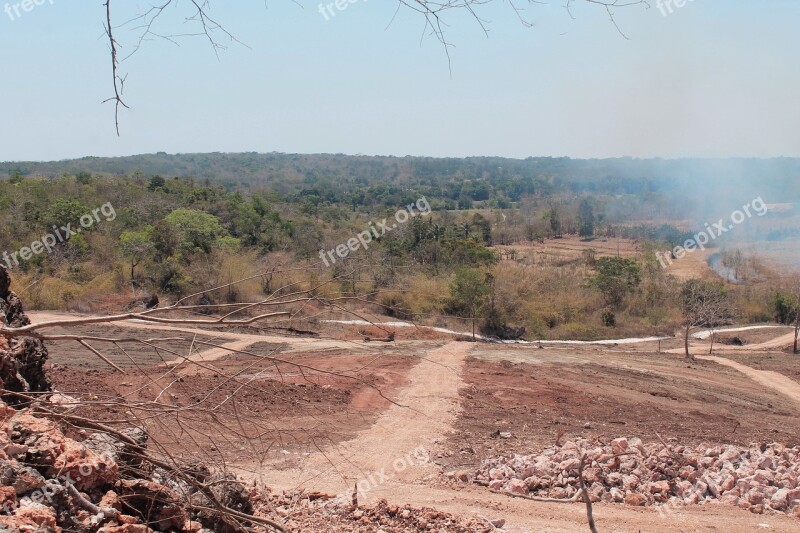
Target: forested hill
[[343, 178]]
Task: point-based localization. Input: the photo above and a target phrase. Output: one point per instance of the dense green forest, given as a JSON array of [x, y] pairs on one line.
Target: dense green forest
[[684, 186]]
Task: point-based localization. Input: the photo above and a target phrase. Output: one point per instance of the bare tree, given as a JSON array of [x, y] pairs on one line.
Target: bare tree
[[796, 297], [705, 304], [796, 329]]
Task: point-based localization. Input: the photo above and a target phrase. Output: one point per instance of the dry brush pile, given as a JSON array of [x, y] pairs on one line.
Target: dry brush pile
[[62, 472], [760, 478], [50, 482]]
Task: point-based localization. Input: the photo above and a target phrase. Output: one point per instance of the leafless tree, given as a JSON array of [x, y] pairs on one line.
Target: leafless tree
[[705, 304], [796, 298], [796, 330]]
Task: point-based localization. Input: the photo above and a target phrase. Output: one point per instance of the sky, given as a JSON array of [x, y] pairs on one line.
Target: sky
[[712, 78]]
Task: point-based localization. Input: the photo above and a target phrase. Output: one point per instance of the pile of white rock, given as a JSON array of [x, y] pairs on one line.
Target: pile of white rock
[[758, 478]]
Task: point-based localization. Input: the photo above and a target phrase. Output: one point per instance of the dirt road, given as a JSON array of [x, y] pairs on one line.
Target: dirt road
[[381, 462], [772, 380], [399, 444], [388, 459]]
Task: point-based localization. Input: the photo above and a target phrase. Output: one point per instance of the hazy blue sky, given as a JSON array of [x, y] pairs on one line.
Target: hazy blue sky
[[714, 78]]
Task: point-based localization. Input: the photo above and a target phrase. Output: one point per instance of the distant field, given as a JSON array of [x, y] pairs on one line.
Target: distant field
[[554, 252]]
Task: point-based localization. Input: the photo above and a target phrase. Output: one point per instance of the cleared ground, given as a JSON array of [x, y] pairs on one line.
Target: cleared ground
[[782, 363], [615, 394], [325, 415]]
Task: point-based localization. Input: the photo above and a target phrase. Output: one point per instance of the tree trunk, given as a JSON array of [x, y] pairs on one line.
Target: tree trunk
[[586, 498], [796, 330], [133, 276], [711, 350], [686, 342]]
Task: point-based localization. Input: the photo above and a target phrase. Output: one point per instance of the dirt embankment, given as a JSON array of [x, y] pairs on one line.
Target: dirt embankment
[[643, 395]]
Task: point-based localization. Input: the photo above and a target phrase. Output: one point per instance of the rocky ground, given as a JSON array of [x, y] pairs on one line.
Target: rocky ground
[[52, 483], [534, 396], [760, 478]]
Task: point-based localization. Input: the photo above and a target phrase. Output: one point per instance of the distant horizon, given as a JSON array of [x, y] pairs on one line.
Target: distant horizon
[[340, 154]]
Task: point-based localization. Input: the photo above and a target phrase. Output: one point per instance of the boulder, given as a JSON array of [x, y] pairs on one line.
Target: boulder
[[630, 483], [619, 446], [635, 499], [517, 486], [780, 500], [756, 478], [659, 487]]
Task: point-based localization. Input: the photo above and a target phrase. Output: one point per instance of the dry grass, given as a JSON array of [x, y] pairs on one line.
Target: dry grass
[[48, 292]]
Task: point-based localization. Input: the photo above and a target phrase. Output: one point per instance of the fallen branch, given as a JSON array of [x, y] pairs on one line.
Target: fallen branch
[[89, 506], [27, 331], [586, 498], [101, 356]]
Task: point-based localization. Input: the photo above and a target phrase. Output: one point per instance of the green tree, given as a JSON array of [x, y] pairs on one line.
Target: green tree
[[470, 293], [785, 308], [555, 222], [64, 211], [197, 230], [155, 183], [136, 246], [586, 219], [615, 277], [787, 311], [76, 249], [166, 239], [484, 226]]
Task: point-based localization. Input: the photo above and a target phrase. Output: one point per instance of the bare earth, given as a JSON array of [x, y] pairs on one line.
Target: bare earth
[[447, 400], [769, 379]]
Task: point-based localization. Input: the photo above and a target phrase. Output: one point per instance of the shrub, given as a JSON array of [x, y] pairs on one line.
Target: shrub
[[785, 309], [609, 319], [615, 278], [396, 306]]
